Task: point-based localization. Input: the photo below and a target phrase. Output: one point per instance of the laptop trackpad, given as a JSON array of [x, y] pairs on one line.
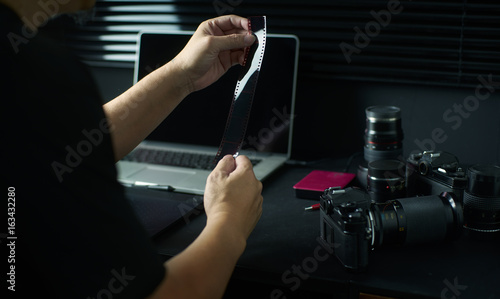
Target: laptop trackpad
[[155, 175]]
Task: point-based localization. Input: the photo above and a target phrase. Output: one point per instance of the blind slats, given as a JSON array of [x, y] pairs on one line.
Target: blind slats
[[445, 42]]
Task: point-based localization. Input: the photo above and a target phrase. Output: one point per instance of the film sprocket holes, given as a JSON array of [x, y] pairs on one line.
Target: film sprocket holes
[[352, 224], [432, 172], [241, 105]]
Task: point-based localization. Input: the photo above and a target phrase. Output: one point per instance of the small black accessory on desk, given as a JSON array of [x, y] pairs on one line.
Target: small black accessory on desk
[[353, 225]]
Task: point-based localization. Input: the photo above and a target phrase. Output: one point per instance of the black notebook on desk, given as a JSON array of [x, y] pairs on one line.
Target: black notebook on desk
[[158, 210]]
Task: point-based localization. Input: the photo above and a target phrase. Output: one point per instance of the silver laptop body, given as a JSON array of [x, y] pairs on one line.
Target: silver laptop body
[[196, 126]]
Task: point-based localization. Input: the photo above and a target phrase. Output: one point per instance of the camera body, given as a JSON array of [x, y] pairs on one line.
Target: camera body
[[432, 172], [344, 223]]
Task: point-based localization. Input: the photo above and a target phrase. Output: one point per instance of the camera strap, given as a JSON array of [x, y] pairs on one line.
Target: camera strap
[[241, 105]]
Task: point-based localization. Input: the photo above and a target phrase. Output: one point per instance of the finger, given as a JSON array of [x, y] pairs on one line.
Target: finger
[[234, 41], [230, 22], [237, 57], [243, 163], [226, 164], [234, 31]]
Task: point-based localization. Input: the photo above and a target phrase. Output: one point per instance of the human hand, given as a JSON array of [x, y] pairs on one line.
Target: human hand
[[216, 45], [233, 195]]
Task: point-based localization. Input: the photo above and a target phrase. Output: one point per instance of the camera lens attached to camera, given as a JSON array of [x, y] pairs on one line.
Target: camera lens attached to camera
[[353, 224]]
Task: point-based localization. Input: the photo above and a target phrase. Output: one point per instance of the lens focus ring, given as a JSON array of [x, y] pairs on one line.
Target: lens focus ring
[[481, 203]]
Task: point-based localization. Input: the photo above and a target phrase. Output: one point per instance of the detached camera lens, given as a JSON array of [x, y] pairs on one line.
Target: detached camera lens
[[383, 134], [482, 201], [386, 180]]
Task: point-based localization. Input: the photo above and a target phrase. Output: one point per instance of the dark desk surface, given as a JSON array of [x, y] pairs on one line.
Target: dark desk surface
[[283, 257]]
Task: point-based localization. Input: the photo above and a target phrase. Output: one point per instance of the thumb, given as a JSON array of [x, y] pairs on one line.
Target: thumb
[[235, 41], [227, 164]]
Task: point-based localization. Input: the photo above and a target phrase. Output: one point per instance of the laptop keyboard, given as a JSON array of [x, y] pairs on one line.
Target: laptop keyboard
[[173, 158]]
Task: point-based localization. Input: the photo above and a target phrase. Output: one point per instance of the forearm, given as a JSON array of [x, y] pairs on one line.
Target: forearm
[[215, 46], [137, 112], [204, 268]]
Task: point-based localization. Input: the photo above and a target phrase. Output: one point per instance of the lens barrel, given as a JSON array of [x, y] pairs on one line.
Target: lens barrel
[[482, 201], [383, 133], [386, 180], [422, 219]]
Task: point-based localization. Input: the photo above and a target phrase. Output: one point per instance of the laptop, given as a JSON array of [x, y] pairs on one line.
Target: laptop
[[192, 133]]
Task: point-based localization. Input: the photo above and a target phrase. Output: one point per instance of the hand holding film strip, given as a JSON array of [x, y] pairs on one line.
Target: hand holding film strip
[[244, 92], [216, 46]]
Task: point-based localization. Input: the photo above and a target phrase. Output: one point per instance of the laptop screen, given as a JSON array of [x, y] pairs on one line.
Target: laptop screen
[[200, 119]]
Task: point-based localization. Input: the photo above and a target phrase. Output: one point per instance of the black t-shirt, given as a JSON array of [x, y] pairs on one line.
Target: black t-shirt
[[76, 235]]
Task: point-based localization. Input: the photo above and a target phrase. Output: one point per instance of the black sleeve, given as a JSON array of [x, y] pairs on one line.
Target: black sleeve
[[76, 234]]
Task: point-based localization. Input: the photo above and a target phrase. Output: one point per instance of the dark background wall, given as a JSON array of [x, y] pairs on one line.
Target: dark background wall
[[432, 59]]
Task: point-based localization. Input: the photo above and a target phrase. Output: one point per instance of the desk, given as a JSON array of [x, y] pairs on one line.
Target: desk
[[284, 260]]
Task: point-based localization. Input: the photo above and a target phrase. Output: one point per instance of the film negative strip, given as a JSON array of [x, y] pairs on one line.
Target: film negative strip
[[244, 92]]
